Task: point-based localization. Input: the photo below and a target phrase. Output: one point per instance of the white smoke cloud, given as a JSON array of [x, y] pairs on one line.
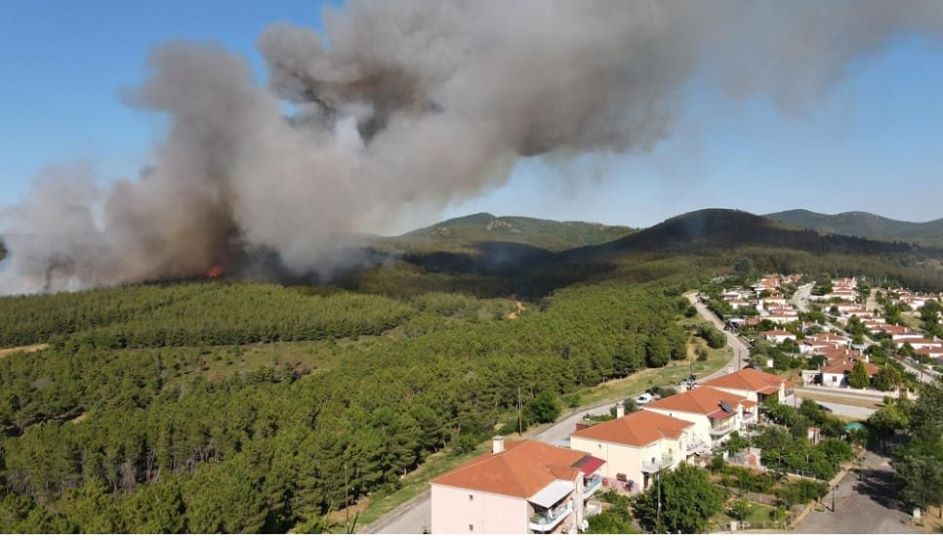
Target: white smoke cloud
[[414, 105]]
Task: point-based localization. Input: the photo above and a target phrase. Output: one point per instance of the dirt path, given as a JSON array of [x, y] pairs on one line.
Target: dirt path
[[24, 349]]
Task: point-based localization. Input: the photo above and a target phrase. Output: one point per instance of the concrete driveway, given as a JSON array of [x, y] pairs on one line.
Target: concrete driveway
[[864, 503]]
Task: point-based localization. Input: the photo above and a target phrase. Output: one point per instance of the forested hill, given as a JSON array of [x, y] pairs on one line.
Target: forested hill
[[865, 225], [715, 229], [463, 233]]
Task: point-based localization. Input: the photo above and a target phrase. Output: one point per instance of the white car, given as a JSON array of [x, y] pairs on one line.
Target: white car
[[644, 399]]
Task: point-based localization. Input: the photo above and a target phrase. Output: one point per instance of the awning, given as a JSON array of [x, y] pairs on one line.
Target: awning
[[589, 464], [720, 413], [552, 494]]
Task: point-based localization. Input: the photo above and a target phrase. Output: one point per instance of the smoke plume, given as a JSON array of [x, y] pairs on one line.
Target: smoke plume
[[402, 107]]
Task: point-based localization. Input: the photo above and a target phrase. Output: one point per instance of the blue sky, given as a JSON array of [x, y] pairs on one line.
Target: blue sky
[[873, 142]]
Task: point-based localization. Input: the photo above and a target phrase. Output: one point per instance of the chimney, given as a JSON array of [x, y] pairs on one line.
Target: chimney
[[620, 410], [497, 445]]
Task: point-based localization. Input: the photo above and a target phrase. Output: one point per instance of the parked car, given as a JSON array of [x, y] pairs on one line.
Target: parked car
[[644, 399]]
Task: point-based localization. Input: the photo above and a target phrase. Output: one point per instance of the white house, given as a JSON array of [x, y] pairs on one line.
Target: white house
[[715, 413], [637, 446], [753, 385], [521, 487]]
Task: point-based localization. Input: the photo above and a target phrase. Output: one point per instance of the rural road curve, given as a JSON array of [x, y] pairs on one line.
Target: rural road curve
[[414, 516]]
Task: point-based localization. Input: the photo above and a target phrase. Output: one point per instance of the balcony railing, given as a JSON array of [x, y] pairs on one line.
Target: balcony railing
[[547, 520], [696, 447], [722, 429], [591, 486], [653, 466]]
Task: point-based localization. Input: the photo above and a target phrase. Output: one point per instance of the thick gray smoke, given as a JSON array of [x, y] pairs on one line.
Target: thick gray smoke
[[404, 106]]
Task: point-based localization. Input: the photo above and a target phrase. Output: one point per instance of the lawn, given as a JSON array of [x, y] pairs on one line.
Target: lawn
[[759, 516], [669, 375]]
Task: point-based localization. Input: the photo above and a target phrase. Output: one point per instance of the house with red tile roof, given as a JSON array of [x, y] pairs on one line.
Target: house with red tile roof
[[520, 487], [635, 447], [777, 336], [715, 413], [753, 385]]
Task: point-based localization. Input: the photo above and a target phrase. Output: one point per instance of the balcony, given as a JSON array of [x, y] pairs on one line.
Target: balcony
[[749, 417], [547, 520], [697, 447], [652, 466], [720, 430], [591, 486]]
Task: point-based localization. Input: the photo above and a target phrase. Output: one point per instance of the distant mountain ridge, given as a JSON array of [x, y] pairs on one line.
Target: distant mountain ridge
[[865, 225], [466, 232]]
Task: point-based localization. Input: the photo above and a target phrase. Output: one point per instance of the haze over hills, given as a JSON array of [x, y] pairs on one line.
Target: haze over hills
[[463, 233], [865, 225]]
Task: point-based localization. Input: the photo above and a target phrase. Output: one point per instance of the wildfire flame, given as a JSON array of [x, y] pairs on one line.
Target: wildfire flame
[[215, 271]]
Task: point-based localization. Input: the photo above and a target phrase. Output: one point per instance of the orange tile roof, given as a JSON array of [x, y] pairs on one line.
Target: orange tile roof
[[636, 429], [749, 379], [701, 400], [845, 366], [521, 470]]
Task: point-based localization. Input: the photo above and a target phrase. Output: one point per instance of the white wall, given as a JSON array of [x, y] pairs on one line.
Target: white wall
[[453, 512], [626, 459]]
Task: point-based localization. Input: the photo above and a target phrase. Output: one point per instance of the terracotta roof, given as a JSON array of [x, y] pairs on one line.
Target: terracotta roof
[[636, 429], [701, 400], [749, 379], [845, 366], [521, 470]]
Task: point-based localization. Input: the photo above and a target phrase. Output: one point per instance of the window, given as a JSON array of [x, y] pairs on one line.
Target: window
[[471, 497], [599, 445], [471, 527]]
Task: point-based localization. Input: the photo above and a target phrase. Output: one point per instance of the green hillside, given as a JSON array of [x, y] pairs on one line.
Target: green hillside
[[865, 225], [463, 233]]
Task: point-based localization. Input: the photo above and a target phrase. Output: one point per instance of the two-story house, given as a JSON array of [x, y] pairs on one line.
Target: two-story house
[[754, 385], [520, 487], [715, 413], [637, 446]]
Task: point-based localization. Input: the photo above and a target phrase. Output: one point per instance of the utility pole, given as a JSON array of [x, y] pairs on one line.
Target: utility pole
[[520, 421], [658, 510]]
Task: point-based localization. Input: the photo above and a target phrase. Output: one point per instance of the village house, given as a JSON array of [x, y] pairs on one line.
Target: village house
[[778, 315], [635, 447], [768, 283], [520, 487], [753, 385], [895, 331], [834, 373], [777, 336], [715, 413]]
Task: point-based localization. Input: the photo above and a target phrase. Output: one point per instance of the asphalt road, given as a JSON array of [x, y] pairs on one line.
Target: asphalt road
[[415, 515], [864, 504], [801, 297], [740, 349]]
